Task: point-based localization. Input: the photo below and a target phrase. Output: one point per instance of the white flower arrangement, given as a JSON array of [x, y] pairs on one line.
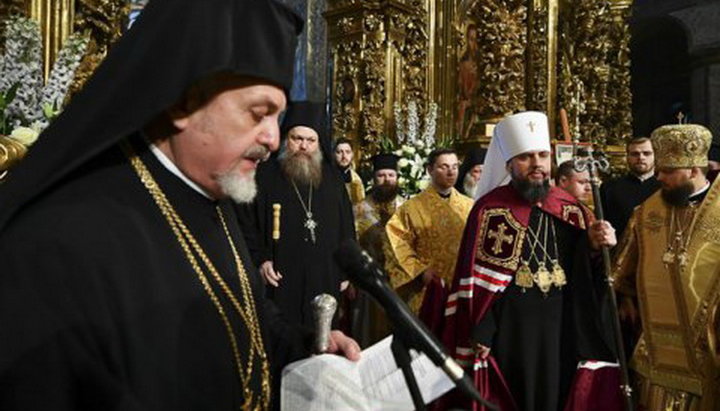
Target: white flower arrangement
[[25, 101], [412, 147]]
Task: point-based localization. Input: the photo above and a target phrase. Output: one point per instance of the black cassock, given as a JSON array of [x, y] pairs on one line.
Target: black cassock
[[100, 309], [308, 268], [537, 339], [620, 197]]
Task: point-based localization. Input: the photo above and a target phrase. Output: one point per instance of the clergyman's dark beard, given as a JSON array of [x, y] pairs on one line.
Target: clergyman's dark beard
[[301, 167], [533, 192], [384, 193], [678, 196]]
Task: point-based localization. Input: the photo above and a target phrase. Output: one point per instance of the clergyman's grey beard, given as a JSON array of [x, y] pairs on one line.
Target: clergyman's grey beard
[[530, 190], [241, 189], [302, 167], [469, 185]]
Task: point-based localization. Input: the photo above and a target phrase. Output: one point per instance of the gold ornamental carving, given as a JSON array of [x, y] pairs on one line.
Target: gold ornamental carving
[[379, 51], [479, 60], [104, 20], [537, 81], [502, 35], [594, 78], [491, 65]]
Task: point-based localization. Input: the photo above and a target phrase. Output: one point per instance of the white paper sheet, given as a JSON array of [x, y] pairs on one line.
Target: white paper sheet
[[330, 382]]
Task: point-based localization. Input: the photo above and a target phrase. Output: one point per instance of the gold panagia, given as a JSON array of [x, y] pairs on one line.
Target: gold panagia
[[677, 355], [425, 232]]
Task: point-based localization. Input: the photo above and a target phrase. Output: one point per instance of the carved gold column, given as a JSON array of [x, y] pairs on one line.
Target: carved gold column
[[594, 69], [542, 58], [619, 99], [56, 23], [378, 51], [442, 61]]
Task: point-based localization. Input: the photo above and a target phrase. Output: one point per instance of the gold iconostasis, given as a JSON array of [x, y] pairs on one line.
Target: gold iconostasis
[[477, 60]]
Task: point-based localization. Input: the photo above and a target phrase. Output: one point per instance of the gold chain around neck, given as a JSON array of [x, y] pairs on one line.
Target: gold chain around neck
[[247, 312]]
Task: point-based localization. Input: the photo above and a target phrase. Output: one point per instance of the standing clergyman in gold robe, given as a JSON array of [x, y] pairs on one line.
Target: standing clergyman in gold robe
[[425, 235], [371, 215], [668, 266]]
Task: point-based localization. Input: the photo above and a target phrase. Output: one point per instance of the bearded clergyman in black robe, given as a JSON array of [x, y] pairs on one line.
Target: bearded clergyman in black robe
[[125, 280], [315, 216]]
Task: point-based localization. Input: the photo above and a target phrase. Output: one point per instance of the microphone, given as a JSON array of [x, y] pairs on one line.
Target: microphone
[[323, 307], [366, 274]]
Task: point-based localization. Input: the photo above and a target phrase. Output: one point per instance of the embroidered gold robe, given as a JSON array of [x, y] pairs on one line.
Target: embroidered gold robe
[[355, 188], [677, 356], [426, 232]]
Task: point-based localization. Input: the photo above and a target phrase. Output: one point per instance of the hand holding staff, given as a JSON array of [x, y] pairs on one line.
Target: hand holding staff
[[594, 165], [267, 268], [276, 228]]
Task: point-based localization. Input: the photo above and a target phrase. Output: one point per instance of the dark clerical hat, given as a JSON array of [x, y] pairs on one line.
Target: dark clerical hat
[[309, 114], [305, 113], [173, 45], [385, 161]]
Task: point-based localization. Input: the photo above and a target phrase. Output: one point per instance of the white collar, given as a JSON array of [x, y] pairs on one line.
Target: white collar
[[645, 176], [702, 190], [171, 167]]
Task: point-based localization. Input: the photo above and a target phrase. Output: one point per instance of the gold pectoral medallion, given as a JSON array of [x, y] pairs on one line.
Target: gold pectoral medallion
[[558, 274], [668, 257], [523, 276], [682, 259], [543, 278]]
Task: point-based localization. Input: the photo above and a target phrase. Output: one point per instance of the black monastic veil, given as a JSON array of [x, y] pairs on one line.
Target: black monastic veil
[[99, 306]]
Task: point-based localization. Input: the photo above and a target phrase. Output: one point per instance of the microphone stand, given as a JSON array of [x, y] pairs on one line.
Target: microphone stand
[[404, 361], [414, 334]]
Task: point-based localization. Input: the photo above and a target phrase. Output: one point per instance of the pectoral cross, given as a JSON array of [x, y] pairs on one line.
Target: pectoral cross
[[680, 117], [531, 125], [311, 225], [500, 237]]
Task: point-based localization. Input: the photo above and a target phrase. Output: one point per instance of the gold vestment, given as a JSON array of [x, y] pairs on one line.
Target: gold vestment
[[677, 355], [355, 188], [426, 232]]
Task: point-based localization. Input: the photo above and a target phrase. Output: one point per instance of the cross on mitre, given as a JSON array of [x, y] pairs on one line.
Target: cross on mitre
[[680, 117], [531, 126]]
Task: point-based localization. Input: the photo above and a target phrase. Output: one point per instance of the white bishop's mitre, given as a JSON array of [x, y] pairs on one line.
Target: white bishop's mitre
[[513, 135]]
